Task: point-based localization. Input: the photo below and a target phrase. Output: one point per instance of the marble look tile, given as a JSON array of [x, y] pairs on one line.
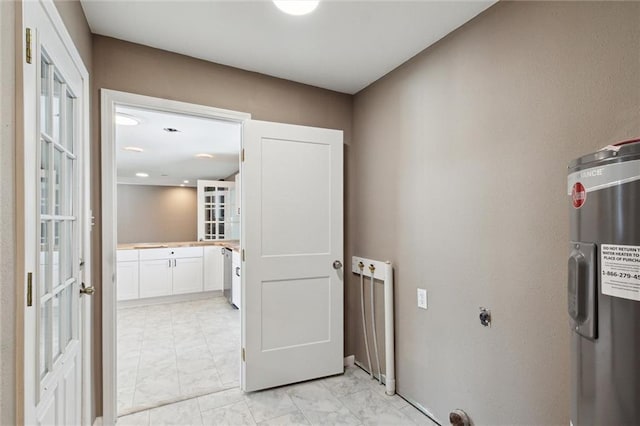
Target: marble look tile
[[157, 369], [417, 416], [156, 389], [199, 382], [125, 398], [184, 413], [220, 399], [349, 382], [341, 417], [290, 419], [398, 402], [373, 409], [228, 365], [313, 396], [137, 419], [194, 361], [236, 414], [268, 404]]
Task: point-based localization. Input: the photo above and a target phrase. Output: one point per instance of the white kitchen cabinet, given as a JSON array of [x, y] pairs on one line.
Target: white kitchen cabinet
[[156, 278], [236, 283], [213, 268], [127, 274], [167, 271], [187, 275]]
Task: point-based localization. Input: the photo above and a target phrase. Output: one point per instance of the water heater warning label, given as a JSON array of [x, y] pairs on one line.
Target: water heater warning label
[[620, 271]]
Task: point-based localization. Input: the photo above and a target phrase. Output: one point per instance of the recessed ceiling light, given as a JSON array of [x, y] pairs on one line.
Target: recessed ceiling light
[[296, 7], [141, 174], [133, 149], [185, 181], [182, 184], [171, 129], [204, 156], [126, 119]]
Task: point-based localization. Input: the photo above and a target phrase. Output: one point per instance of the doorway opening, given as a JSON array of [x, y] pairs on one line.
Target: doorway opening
[[173, 191]]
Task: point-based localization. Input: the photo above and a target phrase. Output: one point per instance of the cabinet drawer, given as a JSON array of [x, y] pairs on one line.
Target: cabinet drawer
[[127, 255], [182, 252], [155, 253]]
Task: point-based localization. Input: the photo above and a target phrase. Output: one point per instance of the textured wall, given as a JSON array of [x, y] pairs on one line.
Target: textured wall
[[459, 159], [129, 67], [149, 214]]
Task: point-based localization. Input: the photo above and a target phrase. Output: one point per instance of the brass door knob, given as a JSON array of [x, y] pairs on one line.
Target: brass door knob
[[89, 291]]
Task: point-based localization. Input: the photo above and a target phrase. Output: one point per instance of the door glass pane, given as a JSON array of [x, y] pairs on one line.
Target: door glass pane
[[57, 234], [69, 118], [67, 261], [68, 197], [57, 180], [45, 336], [55, 340], [57, 109], [44, 177], [45, 98], [44, 256]]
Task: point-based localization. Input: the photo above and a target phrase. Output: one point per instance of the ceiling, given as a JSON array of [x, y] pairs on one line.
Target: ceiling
[[343, 45], [173, 154]]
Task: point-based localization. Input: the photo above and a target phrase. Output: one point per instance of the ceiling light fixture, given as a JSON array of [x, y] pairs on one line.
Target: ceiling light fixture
[[296, 7], [182, 184], [204, 156], [185, 181], [141, 174], [126, 119], [133, 149]]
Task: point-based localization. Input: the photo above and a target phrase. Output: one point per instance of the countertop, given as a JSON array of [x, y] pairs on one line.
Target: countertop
[[232, 244]]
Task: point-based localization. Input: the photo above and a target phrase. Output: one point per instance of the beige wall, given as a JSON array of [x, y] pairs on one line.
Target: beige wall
[[148, 214], [129, 67], [460, 161]]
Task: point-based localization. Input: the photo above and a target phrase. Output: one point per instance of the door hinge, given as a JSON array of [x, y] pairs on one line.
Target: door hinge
[[244, 355], [242, 155], [243, 255], [28, 49], [29, 288]]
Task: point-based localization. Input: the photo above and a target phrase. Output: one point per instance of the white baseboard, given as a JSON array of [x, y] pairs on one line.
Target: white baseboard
[[97, 421], [349, 361]]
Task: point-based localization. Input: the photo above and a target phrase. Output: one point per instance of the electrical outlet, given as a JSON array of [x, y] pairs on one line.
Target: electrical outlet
[[422, 298]]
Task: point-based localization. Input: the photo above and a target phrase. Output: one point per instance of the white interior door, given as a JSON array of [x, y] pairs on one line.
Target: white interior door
[[54, 89], [292, 295]]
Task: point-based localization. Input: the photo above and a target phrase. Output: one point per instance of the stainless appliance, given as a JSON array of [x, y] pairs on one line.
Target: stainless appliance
[[604, 286], [228, 274]]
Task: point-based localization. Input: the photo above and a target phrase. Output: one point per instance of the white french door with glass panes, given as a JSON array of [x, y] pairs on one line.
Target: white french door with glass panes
[[54, 102]]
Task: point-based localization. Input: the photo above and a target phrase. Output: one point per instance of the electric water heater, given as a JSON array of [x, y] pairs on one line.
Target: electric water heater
[[604, 286]]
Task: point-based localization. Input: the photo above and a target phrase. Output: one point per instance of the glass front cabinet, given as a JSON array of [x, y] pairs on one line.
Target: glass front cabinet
[[216, 210]]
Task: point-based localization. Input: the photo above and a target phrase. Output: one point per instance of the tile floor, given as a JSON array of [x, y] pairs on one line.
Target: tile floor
[[175, 351], [189, 352], [349, 399]]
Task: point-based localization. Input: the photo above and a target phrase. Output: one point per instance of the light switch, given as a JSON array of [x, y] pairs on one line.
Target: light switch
[[422, 298]]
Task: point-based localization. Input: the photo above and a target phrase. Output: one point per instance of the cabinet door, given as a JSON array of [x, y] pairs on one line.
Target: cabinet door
[[187, 275], [155, 277], [127, 284], [213, 272]]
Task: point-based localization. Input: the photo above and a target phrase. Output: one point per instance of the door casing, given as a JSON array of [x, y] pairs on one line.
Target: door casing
[[109, 100]]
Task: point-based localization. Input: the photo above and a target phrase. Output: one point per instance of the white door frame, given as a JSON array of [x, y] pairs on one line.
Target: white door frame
[[109, 100], [25, 183]]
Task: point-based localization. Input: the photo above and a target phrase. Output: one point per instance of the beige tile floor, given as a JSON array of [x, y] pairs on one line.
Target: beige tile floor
[[175, 351], [164, 349]]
